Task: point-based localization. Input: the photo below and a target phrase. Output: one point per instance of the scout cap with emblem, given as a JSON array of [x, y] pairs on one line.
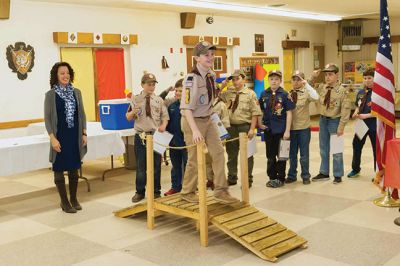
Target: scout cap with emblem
[[331, 68], [237, 73], [275, 73], [202, 48], [148, 77], [299, 74], [369, 72]]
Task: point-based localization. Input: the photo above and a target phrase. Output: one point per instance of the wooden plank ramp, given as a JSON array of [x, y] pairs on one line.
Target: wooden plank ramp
[[254, 230]]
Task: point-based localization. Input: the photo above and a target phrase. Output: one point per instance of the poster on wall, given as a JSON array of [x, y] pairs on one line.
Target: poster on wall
[[360, 67], [349, 72], [20, 59]]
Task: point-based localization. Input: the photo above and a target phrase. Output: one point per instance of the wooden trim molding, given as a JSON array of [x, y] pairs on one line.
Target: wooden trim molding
[[87, 38], [4, 9], [19, 123], [288, 44], [222, 41], [374, 40]]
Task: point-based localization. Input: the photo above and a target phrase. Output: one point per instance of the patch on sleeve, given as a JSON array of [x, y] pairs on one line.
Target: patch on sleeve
[[187, 95]]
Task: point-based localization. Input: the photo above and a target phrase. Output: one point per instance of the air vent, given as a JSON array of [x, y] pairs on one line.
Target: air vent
[[350, 35]]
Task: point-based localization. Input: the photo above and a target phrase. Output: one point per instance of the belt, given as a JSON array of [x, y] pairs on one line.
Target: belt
[[202, 117], [327, 117], [241, 124], [147, 133]]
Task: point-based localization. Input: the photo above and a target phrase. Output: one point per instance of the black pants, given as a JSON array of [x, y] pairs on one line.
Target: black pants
[[275, 168], [357, 149]]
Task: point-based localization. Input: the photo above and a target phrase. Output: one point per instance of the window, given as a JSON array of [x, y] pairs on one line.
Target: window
[[218, 63]]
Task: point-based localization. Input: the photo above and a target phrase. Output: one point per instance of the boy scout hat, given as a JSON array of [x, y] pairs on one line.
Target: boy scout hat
[[148, 77], [276, 73], [369, 72], [299, 74], [331, 68], [202, 48], [237, 73]]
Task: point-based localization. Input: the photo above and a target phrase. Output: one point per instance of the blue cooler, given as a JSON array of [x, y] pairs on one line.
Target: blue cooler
[[112, 114]]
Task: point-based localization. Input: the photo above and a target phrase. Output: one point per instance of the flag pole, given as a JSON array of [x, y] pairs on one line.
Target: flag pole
[[387, 201]]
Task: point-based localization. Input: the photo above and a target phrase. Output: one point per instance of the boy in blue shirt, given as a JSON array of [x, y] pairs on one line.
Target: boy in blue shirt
[[178, 157], [277, 119]]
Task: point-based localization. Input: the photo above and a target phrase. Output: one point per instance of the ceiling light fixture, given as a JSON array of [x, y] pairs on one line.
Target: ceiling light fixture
[[245, 9]]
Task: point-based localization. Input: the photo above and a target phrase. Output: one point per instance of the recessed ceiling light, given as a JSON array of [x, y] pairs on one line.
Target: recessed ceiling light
[[277, 5]]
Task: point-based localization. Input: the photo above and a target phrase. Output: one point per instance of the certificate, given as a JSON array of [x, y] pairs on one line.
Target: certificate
[[251, 147], [336, 144], [360, 128], [163, 138], [284, 148], [223, 133]]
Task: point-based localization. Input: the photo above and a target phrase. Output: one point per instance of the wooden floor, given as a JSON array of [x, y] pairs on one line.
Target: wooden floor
[[262, 235]]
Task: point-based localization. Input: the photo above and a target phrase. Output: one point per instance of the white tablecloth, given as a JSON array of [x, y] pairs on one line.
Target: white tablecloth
[[18, 155]]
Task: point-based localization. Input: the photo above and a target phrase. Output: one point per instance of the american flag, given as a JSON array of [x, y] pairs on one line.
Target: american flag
[[383, 94]]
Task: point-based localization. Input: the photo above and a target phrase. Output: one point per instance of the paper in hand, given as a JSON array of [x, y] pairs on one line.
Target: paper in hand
[[223, 133], [360, 128], [251, 147], [163, 138], [284, 148], [336, 144]]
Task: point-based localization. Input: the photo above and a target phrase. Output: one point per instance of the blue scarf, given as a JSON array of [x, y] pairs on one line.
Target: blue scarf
[[67, 94]]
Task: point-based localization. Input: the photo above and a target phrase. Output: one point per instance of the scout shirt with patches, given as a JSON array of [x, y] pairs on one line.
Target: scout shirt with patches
[[275, 118], [301, 114], [247, 107], [339, 105], [159, 113], [195, 94], [219, 107], [366, 109]]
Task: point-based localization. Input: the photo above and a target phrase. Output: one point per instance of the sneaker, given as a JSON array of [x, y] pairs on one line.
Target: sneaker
[[210, 184], [224, 197], [275, 183], [190, 197], [353, 174], [337, 180], [170, 192], [320, 177], [306, 181], [290, 180], [138, 197]]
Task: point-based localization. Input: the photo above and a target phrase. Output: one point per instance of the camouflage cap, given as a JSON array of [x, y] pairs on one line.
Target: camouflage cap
[[202, 48], [275, 73], [370, 71], [299, 74], [237, 73], [331, 68], [148, 77]]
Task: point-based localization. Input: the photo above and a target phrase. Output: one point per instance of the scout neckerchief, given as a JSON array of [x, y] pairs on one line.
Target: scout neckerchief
[[148, 108], [272, 99], [363, 100], [236, 102], [294, 95], [210, 84], [67, 94], [327, 99]]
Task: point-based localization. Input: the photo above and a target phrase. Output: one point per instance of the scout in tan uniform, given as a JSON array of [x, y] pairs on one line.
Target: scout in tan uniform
[[196, 106], [220, 109], [300, 135], [150, 114], [335, 108], [244, 110]]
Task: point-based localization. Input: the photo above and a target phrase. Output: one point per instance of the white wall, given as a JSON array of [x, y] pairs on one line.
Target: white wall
[[34, 23]]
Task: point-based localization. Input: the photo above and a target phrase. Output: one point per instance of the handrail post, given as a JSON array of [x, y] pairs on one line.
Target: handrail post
[[201, 172], [244, 166], [150, 181]]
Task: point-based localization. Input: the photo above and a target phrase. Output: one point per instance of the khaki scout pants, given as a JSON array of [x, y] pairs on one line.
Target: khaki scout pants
[[232, 148], [215, 149]]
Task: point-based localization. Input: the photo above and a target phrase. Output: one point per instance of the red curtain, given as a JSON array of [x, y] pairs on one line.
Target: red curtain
[[110, 73]]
